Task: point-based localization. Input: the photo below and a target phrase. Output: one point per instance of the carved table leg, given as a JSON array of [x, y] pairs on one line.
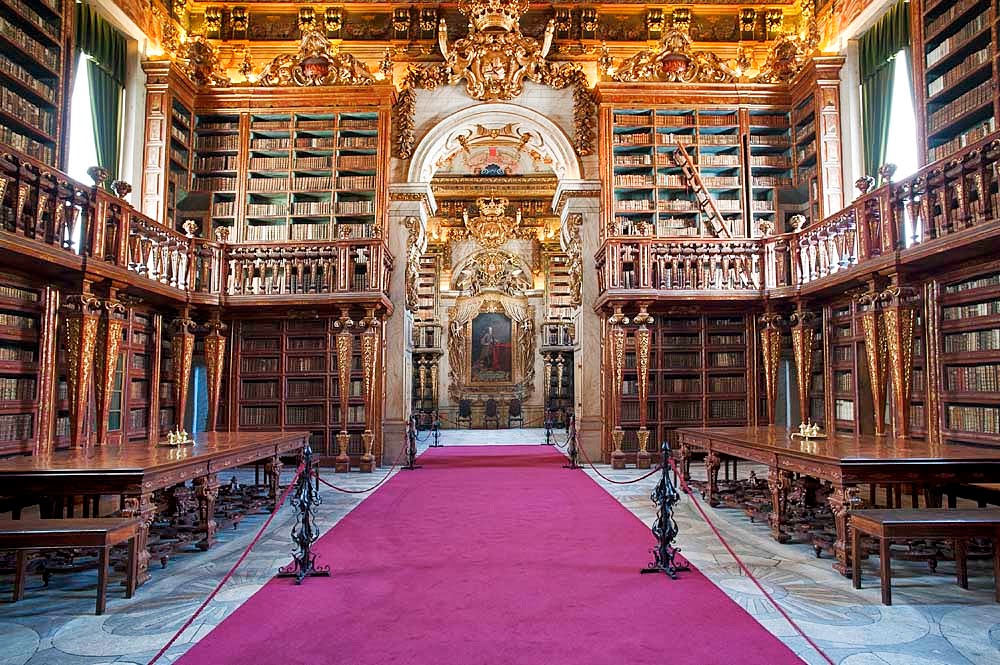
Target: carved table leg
[[779, 482], [272, 471], [142, 507], [206, 489], [841, 502], [685, 462], [712, 464]]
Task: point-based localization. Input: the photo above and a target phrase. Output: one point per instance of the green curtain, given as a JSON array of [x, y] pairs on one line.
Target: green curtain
[[877, 49], [108, 54]]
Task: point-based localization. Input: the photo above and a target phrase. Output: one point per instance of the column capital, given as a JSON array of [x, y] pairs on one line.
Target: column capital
[[412, 198], [577, 196]]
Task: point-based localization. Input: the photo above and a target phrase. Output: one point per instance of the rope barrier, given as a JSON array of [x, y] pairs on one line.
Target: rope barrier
[[652, 471], [388, 473], [743, 566], [228, 575]]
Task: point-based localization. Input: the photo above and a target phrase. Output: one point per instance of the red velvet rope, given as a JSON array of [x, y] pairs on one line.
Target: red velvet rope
[[743, 566], [218, 587], [615, 482], [384, 478]]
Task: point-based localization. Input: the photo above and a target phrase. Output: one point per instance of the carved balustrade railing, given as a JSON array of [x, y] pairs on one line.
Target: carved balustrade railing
[[44, 205], [703, 264], [342, 266], [827, 247]]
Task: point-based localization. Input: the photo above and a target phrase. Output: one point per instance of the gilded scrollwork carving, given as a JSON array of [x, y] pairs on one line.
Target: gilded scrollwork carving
[[574, 258], [181, 355], [81, 313], [491, 270], [412, 269], [109, 334], [674, 60], [770, 347], [202, 63], [317, 62], [494, 61], [215, 355], [802, 337], [899, 313], [873, 328], [492, 227]]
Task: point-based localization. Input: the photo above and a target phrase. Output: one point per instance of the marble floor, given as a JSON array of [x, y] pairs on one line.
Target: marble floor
[[931, 622]]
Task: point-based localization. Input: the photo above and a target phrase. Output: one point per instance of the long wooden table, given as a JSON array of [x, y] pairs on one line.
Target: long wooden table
[[846, 461], [137, 471]]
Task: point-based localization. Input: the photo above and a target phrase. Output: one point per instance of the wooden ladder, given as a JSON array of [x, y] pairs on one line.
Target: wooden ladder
[[705, 201]]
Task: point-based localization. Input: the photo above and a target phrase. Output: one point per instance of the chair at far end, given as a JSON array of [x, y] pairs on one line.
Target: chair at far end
[[514, 413], [491, 414], [464, 413]]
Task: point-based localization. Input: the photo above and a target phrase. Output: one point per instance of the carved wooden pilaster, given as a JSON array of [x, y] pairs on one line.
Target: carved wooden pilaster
[[899, 313], [143, 507], [47, 379], [109, 334], [779, 483], [617, 331], [215, 361], [642, 339], [770, 349], [873, 327], [181, 353], [345, 350], [81, 315], [369, 348], [802, 337], [933, 384]]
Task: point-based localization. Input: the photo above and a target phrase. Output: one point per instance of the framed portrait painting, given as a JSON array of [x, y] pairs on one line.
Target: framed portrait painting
[[491, 354]]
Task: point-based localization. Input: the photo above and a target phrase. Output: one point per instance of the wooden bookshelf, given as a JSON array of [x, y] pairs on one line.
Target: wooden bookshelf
[[136, 364], [287, 377], [33, 62], [769, 156], [956, 66], [179, 161], [970, 357], [848, 401], [216, 166], [20, 323]]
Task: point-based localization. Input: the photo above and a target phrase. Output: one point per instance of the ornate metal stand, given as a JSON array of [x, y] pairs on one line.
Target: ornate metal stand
[[665, 495], [411, 445], [437, 431], [548, 428], [304, 533], [572, 451]]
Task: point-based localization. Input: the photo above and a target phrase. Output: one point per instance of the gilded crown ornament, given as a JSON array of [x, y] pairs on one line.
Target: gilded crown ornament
[[492, 227], [494, 14]]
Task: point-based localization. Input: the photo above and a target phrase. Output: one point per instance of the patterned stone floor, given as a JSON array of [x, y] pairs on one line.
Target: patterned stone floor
[[932, 621]]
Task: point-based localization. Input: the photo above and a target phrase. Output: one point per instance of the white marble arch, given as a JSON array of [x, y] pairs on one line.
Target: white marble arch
[[552, 140]]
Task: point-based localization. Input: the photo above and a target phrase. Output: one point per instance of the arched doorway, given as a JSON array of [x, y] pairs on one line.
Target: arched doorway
[[491, 269]]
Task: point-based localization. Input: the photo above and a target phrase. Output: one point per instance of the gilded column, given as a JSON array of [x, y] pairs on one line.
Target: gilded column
[[642, 338], [345, 350], [48, 343], [933, 383], [899, 313], [181, 353], [617, 323], [547, 373], [109, 334], [81, 315], [873, 327], [369, 344], [770, 348], [215, 361], [802, 337]]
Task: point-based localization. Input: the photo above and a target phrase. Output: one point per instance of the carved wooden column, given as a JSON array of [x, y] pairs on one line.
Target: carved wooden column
[[345, 349], [770, 348], [933, 382], [109, 334], [873, 327], [215, 362], [181, 353], [642, 337], [802, 337], [47, 380], [369, 344], [899, 313], [617, 322], [547, 366], [81, 315]]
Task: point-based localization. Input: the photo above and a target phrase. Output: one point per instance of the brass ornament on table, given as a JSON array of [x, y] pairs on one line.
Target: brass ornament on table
[[808, 431], [178, 437], [317, 62]]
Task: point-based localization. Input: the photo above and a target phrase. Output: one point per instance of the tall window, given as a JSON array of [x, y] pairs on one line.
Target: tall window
[[82, 139], [901, 149]]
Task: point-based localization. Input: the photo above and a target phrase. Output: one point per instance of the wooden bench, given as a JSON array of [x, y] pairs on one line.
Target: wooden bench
[[958, 525], [24, 536]]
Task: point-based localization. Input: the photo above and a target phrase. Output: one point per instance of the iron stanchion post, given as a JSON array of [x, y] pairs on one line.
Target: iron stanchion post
[[437, 430], [411, 444], [573, 450], [304, 533], [665, 495], [548, 428]]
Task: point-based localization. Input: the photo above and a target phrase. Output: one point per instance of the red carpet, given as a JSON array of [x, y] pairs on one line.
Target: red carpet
[[490, 555]]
